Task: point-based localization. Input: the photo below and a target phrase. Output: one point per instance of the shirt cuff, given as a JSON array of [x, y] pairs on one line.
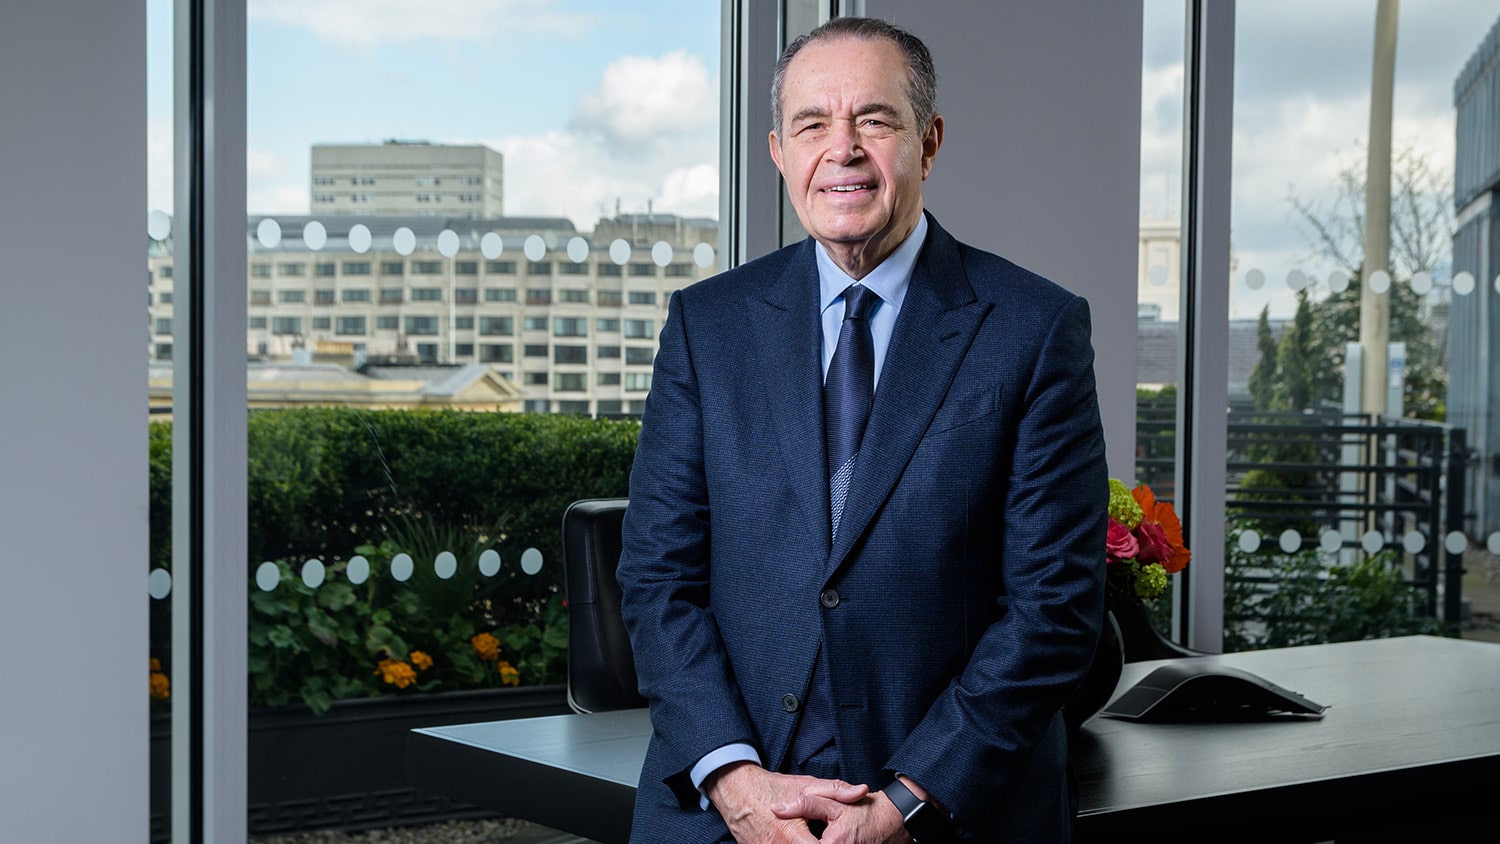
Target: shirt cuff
[[716, 759]]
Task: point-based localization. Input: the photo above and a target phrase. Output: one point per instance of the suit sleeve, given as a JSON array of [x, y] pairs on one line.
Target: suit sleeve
[[664, 568], [976, 739]]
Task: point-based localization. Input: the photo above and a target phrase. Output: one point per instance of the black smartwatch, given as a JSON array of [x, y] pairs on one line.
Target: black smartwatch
[[924, 822]]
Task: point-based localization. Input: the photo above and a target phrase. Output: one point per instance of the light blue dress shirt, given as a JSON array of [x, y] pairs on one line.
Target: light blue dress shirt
[[890, 281]]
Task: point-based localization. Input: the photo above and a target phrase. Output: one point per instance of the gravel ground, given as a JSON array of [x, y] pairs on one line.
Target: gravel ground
[[497, 831]]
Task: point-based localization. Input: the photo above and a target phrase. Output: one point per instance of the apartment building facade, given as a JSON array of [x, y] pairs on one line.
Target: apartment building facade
[[415, 178]]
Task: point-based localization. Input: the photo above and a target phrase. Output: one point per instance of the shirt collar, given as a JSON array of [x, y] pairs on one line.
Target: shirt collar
[[889, 280]]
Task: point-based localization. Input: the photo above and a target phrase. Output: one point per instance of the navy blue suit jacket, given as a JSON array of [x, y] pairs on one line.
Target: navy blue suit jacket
[[969, 563]]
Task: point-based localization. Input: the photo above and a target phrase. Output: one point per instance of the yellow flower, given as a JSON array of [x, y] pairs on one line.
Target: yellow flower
[[397, 673], [155, 664], [487, 646], [421, 660], [1123, 507], [508, 674], [1151, 581], [161, 687]]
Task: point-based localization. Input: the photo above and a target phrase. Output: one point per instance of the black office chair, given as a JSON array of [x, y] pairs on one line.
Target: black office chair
[[601, 666]]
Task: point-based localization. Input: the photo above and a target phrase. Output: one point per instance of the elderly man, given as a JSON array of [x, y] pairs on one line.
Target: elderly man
[[863, 562]]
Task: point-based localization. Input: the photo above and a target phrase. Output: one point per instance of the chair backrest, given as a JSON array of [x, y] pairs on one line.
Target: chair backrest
[[601, 666]]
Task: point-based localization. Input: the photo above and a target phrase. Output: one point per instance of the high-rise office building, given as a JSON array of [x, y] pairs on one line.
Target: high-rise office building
[[407, 178]]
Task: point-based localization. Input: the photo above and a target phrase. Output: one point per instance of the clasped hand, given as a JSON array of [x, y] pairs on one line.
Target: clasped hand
[[762, 807]]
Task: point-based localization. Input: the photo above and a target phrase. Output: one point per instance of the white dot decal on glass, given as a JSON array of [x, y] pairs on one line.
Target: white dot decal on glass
[[315, 235], [489, 563], [703, 255], [268, 233], [1380, 281], [1157, 275], [1255, 279], [1249, 541], [1421, 283], [1331, 541], [531, 561], [447, 243], [619, 252], [491, 245], [661, 253], [1497, 284], [359, 238], [1338, 281], [1291, 541], [1463, 283], [1296, 280], [1493, 543], [1413, 542], [534, 247], [159, 584], [446, 565], [158, 225], [404, 241], [1372, 542], [267, 576], [1456, 542], [578, 250], [313, 573], [402, 567], [358, 570]]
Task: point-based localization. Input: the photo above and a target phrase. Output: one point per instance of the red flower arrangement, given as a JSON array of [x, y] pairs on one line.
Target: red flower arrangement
[[1144, 545]]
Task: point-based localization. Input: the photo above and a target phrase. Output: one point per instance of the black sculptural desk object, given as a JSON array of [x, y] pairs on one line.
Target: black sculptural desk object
[[1410, 744]]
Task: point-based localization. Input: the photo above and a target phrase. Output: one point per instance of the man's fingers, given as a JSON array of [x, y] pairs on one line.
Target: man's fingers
[[838, 790], [808, 807]]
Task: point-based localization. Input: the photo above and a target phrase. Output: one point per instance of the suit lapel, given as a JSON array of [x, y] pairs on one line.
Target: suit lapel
[[938, 320], [789, 338]]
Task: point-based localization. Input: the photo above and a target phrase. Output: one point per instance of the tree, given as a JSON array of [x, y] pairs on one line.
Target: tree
[[1263, 377]]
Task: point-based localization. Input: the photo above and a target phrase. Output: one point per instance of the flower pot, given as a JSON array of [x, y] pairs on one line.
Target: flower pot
[[1102, 677]]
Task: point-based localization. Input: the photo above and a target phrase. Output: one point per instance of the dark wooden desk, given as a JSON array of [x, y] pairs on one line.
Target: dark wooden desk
[[1410, 746]]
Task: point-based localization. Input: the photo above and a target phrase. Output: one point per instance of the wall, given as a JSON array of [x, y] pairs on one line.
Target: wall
[[73, 702], [1041, 160]]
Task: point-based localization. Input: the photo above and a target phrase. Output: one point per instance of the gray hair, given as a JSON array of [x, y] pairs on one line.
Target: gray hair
[[921, 77]]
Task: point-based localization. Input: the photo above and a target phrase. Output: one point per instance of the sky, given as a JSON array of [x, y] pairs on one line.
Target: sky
[[598, 104]]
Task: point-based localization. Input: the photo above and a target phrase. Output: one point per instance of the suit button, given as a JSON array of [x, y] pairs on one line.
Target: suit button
[[789, 702], [829, 598]]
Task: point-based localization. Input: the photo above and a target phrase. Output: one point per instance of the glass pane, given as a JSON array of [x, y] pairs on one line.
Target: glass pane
[[1343, 520], [449, 206]]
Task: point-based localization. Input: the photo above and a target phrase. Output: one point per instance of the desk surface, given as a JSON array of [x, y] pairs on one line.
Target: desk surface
[[1411, 737]]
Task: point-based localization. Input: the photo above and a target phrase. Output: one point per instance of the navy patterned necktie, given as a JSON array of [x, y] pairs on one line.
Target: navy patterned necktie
[[848, 392]]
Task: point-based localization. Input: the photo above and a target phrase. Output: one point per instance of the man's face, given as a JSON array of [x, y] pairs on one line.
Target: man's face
[[850, 150]]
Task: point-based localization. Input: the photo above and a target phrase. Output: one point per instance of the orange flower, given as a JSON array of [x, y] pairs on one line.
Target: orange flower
[[487, 646], [155, 664], [508, 674], [161, 687], [397, 673], [1162, 514], [421, 660]]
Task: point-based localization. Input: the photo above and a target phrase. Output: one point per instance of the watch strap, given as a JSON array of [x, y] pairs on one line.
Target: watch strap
[[923, 821]]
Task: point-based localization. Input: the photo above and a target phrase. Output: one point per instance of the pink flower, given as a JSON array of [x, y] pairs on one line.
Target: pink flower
[[1154, 544], [1119, 545]]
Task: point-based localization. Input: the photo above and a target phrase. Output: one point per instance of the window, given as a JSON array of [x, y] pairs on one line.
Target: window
[[535, 323], [642, 297], [297, 270], [427, 294], [577, 408], [164, 271], [609, 299], [322, 323], [463, 350], [638, 329], [679, 270], [323, 181], [291, 297], [163, 351], [164, 325], [538, 296], [164, 297], [286, 325], [539, 267], [356, 268], [427, 352], [260, 270], [355, 294], [570, 354], [391, 296], [466, 268], [638, 354], [497, 326], [466, 295], [637, 381], [611, 407], [607, 352], [537, 379], [425, 326], [500, 267], [570, 327], [608, 270], [426, 267], [324, 269], [388, 323], [607, 324], [572, 269], [609, 379], [499, 294], [573, 296], [569, 382], [258, 323], [353, 326], [535, 350], [323, 296], [393, 268], [643, 270], [494, 353], [260, 297]]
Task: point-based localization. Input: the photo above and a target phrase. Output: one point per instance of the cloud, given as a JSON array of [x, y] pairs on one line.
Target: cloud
[[159, 177], [270, 185], [364, 24], [642, 101]]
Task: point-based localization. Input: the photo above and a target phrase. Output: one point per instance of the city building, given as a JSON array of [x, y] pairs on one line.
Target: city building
[[407, 178]]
